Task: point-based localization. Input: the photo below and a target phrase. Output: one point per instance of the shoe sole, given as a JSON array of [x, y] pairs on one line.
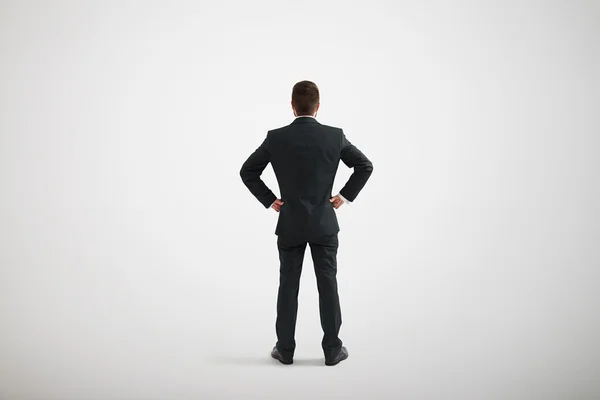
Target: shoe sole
[[331, 364], [282, 361]]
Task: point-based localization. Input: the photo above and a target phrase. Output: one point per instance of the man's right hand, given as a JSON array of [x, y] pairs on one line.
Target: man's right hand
[[337, 201]]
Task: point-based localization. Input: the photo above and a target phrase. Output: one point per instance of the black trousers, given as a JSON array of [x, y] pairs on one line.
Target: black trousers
[[324, 256]]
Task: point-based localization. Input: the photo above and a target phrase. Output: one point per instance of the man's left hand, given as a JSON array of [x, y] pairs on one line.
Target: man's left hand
[[277, 205]]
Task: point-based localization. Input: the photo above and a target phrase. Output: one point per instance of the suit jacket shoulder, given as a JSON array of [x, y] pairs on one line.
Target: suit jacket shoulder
[[277, 130], [335, 128]]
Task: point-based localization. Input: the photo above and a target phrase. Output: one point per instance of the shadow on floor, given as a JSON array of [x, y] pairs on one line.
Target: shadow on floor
[[263, 361]]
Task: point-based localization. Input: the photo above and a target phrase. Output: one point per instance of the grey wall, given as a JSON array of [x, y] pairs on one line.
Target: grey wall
[[134, 264]]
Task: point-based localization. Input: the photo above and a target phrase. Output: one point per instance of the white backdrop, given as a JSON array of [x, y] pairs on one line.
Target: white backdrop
[[134, 264]]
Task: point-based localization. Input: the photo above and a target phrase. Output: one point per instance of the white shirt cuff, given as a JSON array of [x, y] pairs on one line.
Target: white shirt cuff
[[345, 201]]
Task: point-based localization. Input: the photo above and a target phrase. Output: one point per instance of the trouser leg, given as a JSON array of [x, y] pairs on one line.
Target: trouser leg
[[291, 255], [324, 255]]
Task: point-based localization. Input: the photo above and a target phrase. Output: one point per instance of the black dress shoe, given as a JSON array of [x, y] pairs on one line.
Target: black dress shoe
[[276, 355], [340, 357]]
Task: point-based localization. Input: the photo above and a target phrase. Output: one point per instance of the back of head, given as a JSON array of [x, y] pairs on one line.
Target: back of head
[[305, 97]]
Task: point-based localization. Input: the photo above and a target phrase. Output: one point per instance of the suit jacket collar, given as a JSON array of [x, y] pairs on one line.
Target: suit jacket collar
[[305, 119]]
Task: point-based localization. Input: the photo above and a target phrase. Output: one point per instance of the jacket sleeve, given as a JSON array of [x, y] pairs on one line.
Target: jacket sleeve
[[363, 167], [252, 170]]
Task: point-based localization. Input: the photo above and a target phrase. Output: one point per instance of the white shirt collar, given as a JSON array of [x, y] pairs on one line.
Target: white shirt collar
[[312, 116]]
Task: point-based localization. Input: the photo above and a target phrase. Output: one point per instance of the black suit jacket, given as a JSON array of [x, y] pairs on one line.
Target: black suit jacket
[[305, 156]]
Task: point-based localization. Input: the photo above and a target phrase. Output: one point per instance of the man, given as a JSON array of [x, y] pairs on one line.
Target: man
[[305, 156]]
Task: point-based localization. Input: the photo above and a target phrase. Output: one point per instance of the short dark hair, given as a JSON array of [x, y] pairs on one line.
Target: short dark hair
[[305, 97]]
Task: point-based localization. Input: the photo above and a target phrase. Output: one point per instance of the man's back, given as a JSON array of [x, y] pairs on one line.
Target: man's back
[[305, 156]]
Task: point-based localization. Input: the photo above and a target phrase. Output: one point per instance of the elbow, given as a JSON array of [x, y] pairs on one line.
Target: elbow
[[367, 167], [247, 175], [244, 174]]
